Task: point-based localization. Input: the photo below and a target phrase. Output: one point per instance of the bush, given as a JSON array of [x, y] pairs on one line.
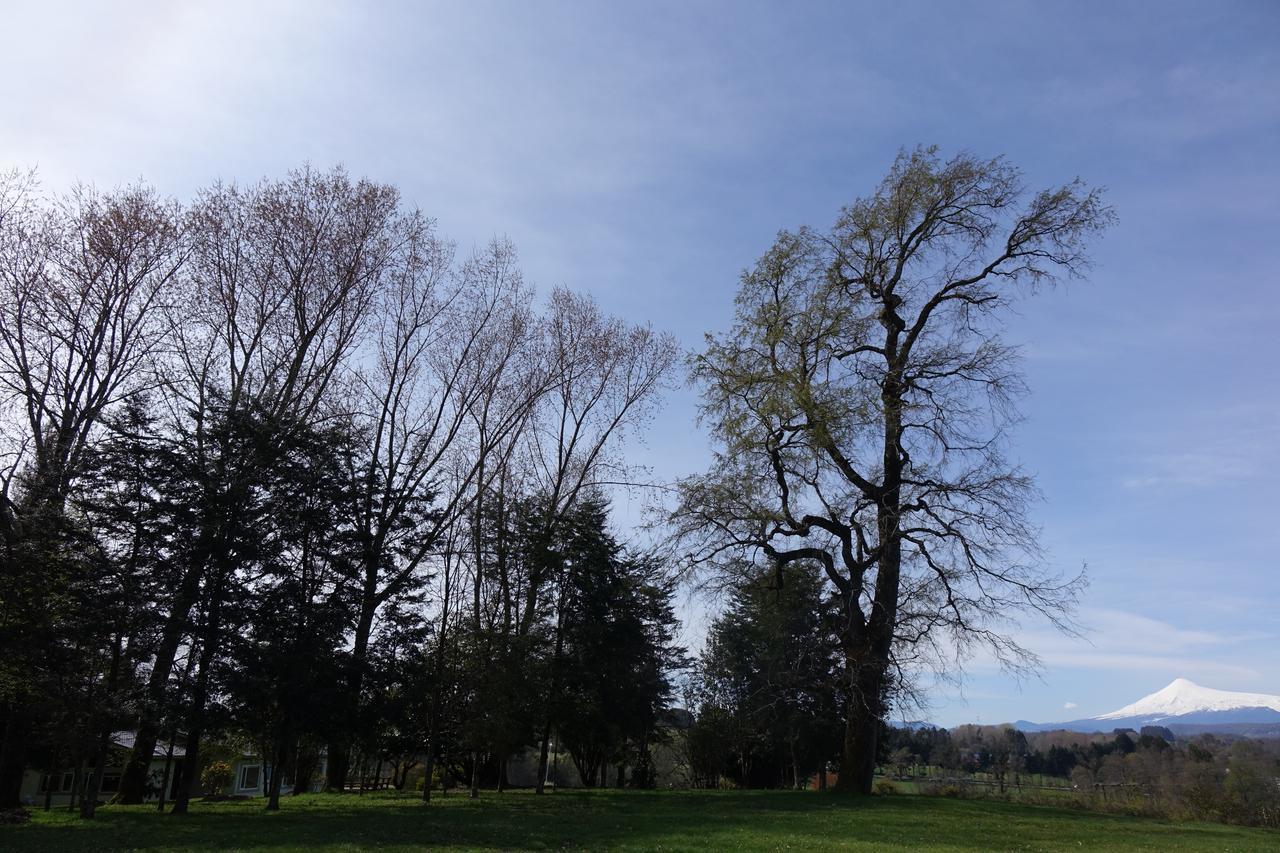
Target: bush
[[884, 788], [217, 777], [951, 790]]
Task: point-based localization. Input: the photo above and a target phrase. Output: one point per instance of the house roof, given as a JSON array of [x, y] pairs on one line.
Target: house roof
[[126, 739]]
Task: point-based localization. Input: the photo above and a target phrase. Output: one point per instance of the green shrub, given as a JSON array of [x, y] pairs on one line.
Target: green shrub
[[217, 777], [951, 790]]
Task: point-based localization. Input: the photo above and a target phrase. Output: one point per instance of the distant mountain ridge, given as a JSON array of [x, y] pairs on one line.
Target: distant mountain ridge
[[1185, 707]]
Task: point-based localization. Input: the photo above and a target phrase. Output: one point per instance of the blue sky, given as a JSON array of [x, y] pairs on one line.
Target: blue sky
[[647, 152]]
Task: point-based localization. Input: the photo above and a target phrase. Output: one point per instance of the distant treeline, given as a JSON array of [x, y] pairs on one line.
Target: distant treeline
[[768, 705], [1200, 777]]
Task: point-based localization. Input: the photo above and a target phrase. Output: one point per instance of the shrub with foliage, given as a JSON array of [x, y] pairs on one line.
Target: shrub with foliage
[[217, 777]]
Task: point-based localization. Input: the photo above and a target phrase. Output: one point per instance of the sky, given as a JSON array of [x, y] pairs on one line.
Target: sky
[[647, 152]]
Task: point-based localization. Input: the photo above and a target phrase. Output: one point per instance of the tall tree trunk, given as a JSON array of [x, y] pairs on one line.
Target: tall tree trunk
[[862, 729], [50, 774], [478, 546], [77, 786], [218, 529], [89, 802], [552, 692], [279, 762], [338, 767], [445, 774], [543, 755], [199, 698], [168, 769], [437, 692], [867, 656], [795, 765], [190, 775], [304, 770], [89, 805], [13, 754], [432, 734], [133, 781], [555, 763]]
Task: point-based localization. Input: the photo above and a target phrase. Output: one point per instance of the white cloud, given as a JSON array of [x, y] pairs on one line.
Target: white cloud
[[1136, 632], [1222, 445], [1212, 673], [1067, 706], [1123, 641]]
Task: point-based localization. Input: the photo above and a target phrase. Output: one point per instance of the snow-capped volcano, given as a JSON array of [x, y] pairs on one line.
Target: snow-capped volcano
[[1185, 706], [1183, 697]]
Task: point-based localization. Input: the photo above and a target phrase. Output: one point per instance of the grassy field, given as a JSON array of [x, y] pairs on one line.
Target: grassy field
[[617, 820]]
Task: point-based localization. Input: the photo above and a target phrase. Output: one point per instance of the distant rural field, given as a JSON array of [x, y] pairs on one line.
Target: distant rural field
[[621, 820]]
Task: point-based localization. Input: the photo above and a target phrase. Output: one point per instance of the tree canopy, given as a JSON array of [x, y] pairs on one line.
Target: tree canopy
[[861, 403]]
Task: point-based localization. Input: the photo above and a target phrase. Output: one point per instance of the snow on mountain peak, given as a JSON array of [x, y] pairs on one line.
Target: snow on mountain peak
[[1184, 696]]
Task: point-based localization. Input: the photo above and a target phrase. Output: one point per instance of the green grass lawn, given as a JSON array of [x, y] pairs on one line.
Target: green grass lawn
[[622, 820]]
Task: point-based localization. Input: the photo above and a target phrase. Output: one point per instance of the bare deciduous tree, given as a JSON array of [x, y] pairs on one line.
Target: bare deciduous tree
[[289, 330], [451, 379], [862, 401], [83, 280], [279, 287], [608, 376]]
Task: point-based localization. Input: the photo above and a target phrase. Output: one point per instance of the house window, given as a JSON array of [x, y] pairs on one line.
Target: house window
[[60, 782], [249, 777], [110, 782]]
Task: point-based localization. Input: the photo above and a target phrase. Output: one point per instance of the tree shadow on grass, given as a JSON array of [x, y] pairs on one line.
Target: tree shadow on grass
[[617, 820]]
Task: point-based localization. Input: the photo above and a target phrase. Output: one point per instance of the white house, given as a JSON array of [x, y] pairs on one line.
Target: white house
[[251, 773], [39, 787]]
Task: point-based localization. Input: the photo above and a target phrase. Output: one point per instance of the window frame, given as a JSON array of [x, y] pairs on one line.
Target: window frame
[[245, 768]]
